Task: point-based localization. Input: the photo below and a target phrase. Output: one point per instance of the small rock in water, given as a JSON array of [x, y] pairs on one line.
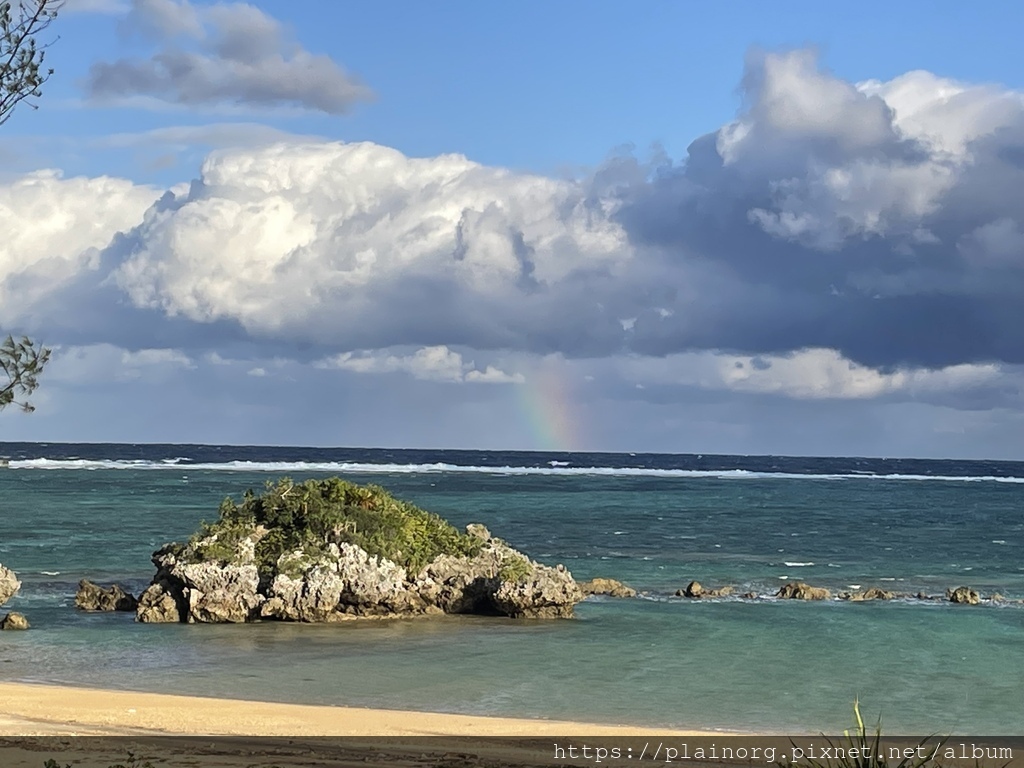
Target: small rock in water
[[93, 597], [877, 593], [693, 589], [798, 590], [964, 595], [610, 587], [14, 621]]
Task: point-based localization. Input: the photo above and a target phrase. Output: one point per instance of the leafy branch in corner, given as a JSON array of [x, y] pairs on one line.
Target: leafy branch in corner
[[22, 74], [21, 362], [22, 77]]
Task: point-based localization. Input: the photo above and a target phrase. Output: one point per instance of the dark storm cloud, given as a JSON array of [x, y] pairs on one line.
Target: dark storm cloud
[[841, 229]]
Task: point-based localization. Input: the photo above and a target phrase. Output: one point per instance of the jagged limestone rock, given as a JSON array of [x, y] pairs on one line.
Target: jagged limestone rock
[[609, 587], [161, 603], [93, 597], [964, 595], [242, 569], [9, 584], [14, 621]]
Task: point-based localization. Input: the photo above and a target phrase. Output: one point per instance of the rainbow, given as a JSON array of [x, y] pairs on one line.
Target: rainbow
[[547, 403]]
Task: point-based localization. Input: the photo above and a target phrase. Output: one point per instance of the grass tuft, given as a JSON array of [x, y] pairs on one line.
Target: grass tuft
[[860, 749]]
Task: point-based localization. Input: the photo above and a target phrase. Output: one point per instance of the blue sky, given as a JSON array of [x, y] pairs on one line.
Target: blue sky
[[716, 227], [551, 87]]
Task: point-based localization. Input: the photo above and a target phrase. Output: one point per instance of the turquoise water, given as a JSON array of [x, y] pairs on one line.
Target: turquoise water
[[730, 664]]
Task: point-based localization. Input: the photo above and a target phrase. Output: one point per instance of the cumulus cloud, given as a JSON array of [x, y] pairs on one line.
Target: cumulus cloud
[[437, 363], [53, 229], [876, 219], [225, 54], [836, 241], [360, 247]]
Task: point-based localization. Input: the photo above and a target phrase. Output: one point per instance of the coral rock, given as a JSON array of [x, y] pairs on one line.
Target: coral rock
[[93, 597], [798, 590]]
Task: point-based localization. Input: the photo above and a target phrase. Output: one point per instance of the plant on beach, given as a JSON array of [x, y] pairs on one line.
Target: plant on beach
[[309, 516], [860, 749]]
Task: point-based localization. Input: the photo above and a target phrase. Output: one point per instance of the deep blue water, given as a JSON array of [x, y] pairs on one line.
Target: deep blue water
[[97, 511]]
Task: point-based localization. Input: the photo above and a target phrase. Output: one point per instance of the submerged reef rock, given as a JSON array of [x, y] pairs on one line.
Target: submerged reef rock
[[797, 590], [963, 595], [93, 597], [695, 590], [719, 592], [873, 593], [14, 621], [9, 584], [609, 587], [330, 550]]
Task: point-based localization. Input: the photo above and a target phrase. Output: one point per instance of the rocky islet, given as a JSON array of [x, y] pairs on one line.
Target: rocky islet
[[317, 552]]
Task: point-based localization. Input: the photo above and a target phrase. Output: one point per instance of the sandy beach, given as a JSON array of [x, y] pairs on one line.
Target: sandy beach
[[100, 727], [32, 709]]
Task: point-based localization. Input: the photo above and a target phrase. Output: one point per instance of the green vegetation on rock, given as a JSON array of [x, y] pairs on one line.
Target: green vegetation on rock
[[308, 516], [514, 569]]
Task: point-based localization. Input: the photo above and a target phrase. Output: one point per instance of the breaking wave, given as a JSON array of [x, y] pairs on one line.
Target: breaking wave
[[552, 468]]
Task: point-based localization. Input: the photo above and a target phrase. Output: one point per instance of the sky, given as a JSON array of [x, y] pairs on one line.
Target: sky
[[741, 228]]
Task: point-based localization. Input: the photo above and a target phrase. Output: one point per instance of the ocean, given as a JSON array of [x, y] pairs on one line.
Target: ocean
[[69, 512]]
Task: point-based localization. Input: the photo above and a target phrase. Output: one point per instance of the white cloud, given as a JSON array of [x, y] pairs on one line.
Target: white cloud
[[813, 374], [876, 242], [492, 375], [275, 237], [52, 228], [860, 177], [796, 100], [438, 363], [945, 114]]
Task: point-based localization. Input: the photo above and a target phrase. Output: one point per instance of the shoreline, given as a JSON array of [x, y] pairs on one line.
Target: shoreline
[[41, 709]]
